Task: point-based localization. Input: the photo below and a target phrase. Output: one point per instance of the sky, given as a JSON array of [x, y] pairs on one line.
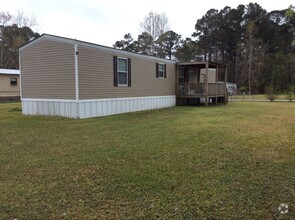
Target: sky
[[106, 21]]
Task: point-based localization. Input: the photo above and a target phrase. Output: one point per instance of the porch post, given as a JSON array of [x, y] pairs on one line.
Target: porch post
[[225, 89], [216, 85], [206, 85], [176, 79]]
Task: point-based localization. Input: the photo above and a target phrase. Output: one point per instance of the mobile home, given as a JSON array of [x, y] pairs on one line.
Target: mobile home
[[71, 78], [9, 84]]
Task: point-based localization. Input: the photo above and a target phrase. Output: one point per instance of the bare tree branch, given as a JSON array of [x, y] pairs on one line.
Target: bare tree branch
[[25, 20], [5, 18], [155, 24]]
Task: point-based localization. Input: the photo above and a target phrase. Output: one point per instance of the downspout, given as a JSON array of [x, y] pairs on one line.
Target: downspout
[[20, 76], [77, 81], [206, 85], [176, 81]]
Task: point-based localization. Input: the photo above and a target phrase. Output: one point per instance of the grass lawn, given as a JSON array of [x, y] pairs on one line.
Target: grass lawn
[[257, 97], [227, 162]]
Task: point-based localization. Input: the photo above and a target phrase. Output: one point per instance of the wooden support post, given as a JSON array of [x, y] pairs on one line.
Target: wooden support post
[[206, 85], [225, 89], [216, 86], [176, 79]]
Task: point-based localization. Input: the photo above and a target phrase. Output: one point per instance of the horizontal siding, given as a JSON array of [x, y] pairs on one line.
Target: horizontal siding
[[5, 84], [47, 70], [96, 76], [9, 93]]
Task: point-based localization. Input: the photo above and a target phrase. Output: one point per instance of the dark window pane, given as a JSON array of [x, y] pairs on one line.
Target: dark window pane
[[122, 78], [122, 65], [13, 81]]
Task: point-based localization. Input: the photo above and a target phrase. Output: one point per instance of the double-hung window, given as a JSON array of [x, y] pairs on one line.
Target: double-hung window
[[122, 71], [160, 70]]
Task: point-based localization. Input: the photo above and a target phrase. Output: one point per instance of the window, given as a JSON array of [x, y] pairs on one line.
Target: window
[[13, 81], [122, 71], [160, 70]]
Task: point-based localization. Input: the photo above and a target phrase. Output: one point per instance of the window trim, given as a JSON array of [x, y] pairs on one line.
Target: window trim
[[126, 72], [160, 71]]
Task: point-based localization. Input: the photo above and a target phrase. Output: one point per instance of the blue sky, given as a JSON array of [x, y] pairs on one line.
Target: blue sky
[[105, 21]]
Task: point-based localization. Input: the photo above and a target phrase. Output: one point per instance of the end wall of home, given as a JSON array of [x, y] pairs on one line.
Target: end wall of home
[[48, 70]]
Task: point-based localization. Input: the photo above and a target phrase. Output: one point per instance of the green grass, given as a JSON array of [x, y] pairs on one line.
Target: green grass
[[257, 97], [227, 162]]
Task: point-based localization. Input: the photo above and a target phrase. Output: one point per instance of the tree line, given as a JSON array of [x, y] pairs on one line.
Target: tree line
[[156, 38], [15, 30], [257, 46]]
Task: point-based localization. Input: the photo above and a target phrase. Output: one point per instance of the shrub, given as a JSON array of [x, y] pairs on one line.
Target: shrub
[[290, 93], [243, 89], [270, 93]]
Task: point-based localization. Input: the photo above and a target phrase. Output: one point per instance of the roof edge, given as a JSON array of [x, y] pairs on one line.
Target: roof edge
[[201, 63], [10, 71], [89, 44]]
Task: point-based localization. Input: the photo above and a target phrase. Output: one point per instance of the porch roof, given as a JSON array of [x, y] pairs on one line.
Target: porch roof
[[201, 63]]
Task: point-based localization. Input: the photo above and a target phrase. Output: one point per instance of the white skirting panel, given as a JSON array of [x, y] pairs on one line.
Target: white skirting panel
[[94, 107], [64, 108], [103, 107]]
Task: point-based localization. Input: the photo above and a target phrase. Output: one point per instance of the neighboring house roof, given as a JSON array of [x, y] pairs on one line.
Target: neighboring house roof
[[9, 71], [84, 43]]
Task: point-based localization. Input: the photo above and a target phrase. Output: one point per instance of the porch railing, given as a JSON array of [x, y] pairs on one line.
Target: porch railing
[[199, 89]]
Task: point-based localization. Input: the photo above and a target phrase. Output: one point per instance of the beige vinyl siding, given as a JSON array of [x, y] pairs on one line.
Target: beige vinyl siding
[[48, 70], [5, 88], [96, 75]]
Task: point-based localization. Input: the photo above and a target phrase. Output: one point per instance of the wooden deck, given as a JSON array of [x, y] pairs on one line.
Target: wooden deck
[[196, 81], [199, 89]]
